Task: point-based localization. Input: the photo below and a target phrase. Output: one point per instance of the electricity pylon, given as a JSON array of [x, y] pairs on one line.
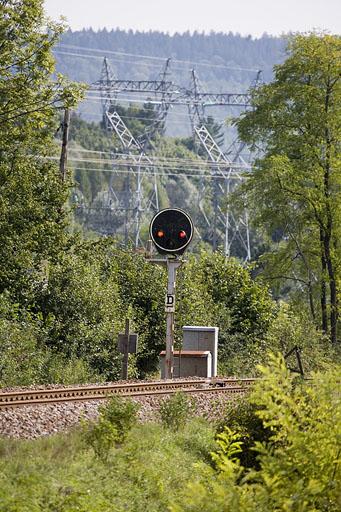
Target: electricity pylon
[[227, 168], [225, 226], [136, 148]]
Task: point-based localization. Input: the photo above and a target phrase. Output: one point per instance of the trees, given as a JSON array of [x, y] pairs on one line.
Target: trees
[[32, 220], [215, 290], [294, 192]]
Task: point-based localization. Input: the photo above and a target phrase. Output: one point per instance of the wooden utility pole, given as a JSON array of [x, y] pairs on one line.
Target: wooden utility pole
[[65, 139]]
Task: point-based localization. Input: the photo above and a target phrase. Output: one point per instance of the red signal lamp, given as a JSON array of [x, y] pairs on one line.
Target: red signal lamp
[[182, 234], [160, 233]]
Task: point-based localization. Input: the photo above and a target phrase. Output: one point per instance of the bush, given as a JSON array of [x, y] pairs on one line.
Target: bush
[[242, 418], [82, 309], [299, 464], [122, 413], [101, 436], [145, 473], [60, 369], [116, 419], [215, 290], [176, 410], [290, 327], [294, 327]]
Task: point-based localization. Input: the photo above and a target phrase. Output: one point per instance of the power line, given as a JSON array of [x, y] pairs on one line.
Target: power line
[[126, 98], [86, 56], [217, 121], [145, 173], [99, 115], [96, 100], [205, 64], [155, 163], [179, 160], [197, 171]]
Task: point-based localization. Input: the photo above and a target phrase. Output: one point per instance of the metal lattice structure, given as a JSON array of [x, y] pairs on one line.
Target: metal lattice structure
[[225, 228], [137, 155], [225, 225], [134, 202]]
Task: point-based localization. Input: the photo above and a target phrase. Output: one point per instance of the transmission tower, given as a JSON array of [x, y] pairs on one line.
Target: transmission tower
[[136, 149], [108, 97], [227, 168], [224, 227]]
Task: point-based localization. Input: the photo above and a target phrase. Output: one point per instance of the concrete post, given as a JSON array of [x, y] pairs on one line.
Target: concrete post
[[172, 265]]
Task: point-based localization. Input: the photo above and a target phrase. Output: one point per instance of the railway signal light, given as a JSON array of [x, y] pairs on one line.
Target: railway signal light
[[171, 231]]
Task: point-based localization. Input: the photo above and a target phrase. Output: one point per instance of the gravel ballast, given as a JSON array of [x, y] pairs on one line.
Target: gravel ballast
[[32, 421]]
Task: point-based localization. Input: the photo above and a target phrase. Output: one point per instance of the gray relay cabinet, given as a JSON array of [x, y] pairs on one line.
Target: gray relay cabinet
[[202, 338], [189, 363]]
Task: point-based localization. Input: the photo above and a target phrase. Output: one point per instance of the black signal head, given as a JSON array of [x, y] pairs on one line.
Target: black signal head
[[171, 231]]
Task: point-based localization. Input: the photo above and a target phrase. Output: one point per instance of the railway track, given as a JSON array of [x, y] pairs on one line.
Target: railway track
[[12, 399]]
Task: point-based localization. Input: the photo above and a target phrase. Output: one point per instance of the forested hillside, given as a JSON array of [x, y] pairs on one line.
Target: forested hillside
[[223, 62]]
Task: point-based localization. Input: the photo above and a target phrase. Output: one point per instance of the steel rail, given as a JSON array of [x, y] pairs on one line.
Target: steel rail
[[13, 399]]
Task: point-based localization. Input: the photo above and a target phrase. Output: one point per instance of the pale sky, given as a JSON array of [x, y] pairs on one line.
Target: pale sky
[[244, 16]]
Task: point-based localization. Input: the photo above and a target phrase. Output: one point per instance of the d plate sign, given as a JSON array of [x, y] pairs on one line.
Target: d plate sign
[[170, 303]]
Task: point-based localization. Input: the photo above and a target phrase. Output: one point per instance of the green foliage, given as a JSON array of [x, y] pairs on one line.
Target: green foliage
[[92, 186], [25, 357], [214, 128], [305, 420], [88, 135], [158, 469], [140, 120], [197, 437], [116, 419], [122, 413], [81, 301], [215, 290], [101, 436], [60, 369], [241, 418], [32, 220], [64, 302], [176, 410], [294, 191], [82, 307], [299, 465], [22, 355], [230, 446], [141, 287], [232, 288], [292, 328]]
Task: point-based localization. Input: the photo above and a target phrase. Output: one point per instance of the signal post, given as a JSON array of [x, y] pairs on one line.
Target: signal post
[[171, 231], [172, 265]]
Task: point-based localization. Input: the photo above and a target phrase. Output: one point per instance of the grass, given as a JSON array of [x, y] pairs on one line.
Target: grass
[[62, 474]]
